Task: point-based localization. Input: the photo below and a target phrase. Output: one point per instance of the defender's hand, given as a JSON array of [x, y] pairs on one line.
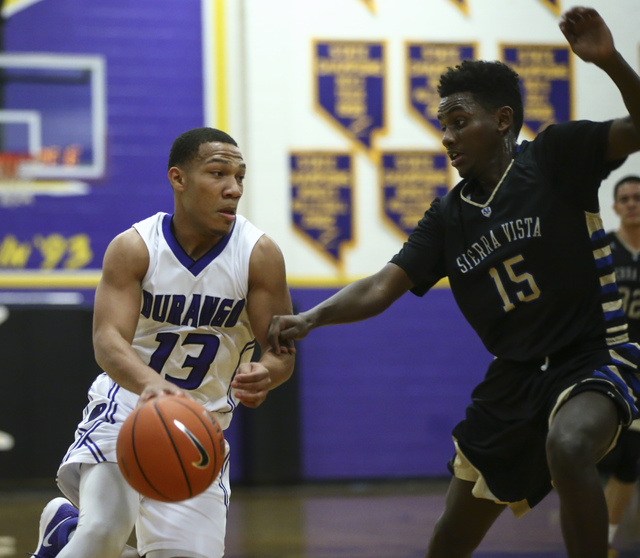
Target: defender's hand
[[588, 35]]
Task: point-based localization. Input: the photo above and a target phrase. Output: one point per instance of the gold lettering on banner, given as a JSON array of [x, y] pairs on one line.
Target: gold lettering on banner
[[322, 198], [350, 78], [425, 63], [411, 180], [545, 74], [54, 250], [13, 253], [350, 63]]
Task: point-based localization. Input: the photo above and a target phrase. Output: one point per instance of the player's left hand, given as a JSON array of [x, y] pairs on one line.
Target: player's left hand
[[588, 35], [251, 382]]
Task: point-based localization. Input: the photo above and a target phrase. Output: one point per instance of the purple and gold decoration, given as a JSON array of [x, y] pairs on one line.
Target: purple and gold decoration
[[425, 64], [350, 84], [410, 180], [545, 80], [322, 199]]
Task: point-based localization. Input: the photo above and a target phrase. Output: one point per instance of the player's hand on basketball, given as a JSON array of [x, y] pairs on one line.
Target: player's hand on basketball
[[159, 387], [588, 35], [251, 382], [283, 330]]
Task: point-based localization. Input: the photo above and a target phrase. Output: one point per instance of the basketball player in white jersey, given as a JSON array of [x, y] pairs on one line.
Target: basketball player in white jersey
[[183, 302]]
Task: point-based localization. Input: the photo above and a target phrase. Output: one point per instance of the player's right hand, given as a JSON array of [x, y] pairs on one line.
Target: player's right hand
[[157, 387], [588, 35], [283, 330]]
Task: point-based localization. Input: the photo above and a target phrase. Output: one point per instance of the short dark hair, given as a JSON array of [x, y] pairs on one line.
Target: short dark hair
[[630, 178], [492, 84], [186, 146]]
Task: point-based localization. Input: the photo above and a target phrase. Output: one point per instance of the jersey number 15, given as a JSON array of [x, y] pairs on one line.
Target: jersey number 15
[[521, 286]]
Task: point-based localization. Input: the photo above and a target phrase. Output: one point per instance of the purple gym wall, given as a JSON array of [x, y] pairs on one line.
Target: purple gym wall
[[378, 399]]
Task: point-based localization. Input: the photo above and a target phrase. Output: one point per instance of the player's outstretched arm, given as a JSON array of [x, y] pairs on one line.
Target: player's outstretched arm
[[116, 311], [590, 39], [357, 301], [268, 295]]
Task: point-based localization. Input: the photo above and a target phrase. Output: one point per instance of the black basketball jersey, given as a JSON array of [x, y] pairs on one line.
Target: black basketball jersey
[[530, 267], [626, 263]]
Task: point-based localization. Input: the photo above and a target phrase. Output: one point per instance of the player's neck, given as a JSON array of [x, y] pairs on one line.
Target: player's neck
[[630, 236], [194, 244], [487, 184]]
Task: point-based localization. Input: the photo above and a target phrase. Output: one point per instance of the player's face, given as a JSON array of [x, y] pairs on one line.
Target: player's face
[[627, 204], [213, 186], [469, 134]]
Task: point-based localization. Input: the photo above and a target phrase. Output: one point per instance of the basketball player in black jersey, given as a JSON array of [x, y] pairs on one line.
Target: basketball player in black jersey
[[621, 464], [522, 244]]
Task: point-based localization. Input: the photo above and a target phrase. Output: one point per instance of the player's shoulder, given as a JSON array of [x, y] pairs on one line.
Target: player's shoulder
[[151, 224], [133, 243], [449, 202], [245, 225], [570, 134], [244, 231], [127, 241]]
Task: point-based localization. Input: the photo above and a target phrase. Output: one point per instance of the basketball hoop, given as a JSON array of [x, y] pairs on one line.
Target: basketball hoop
[[10, 165], [12, 191]]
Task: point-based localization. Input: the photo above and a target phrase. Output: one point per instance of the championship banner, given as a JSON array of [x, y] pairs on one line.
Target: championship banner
[[322, 199], [349, 87], [410, 181], [545, 80], [425, 63]]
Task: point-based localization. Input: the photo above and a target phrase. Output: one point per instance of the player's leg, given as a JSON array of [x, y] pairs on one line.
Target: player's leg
[[464, 522], [580, 434], [108, 510], [618, 494], [623, 474], [193, 528], [58, 523]]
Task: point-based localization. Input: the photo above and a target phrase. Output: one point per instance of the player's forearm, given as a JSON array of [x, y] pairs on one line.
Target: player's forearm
[[118, 359], [628, 83], [280, 367], [357, 301]]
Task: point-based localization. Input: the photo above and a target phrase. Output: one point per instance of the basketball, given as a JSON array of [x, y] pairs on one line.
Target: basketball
[[170, 448]]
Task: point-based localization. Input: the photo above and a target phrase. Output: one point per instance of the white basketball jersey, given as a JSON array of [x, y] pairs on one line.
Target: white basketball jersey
[[193, 327]]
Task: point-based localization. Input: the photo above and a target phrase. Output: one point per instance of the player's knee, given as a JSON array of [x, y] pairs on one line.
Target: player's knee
[[104, 536], [568, 453]]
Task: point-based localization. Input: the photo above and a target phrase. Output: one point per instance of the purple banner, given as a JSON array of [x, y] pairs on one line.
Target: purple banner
[[322, 199], [546, 82], [425, 63], [410, 180], [350, 82]]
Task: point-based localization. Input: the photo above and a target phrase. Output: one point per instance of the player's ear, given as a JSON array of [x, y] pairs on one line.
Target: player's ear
[[504, 119], [176, 178]]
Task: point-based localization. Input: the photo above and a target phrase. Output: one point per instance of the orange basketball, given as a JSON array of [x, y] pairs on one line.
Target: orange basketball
[[170, 448]]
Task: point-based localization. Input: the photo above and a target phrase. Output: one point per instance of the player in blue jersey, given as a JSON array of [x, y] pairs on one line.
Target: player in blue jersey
[[183, 302], [621, 464], [522, 244]]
